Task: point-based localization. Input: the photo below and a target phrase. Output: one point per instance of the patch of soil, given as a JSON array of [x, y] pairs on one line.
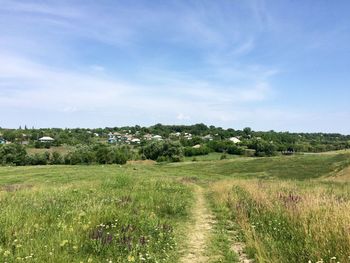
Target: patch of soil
[[238, 248]]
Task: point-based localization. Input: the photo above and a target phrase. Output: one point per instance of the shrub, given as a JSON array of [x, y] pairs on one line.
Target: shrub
[[190, 151], [39, 159], [163, 151], [13, 154], [56, 158]]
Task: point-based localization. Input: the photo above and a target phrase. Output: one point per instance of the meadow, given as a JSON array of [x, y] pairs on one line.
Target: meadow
[[278, 209]]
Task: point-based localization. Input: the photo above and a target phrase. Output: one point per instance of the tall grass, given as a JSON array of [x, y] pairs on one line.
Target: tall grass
[[288, 221], [114, 218]]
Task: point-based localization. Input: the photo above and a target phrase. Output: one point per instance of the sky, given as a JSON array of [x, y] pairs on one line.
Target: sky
[[269, 65]]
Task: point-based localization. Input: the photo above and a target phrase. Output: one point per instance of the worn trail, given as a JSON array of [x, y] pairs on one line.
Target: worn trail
[[199, 231]]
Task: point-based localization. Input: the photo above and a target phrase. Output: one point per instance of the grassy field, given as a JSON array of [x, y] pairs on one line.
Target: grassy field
[[280, 209]]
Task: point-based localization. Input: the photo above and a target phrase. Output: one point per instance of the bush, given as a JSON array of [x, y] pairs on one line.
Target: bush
[[163, 151], [190, 151], [81, 155], [13, 154], [263, 148], [56, 158], [225, 146], [99, 153], [39, 159]]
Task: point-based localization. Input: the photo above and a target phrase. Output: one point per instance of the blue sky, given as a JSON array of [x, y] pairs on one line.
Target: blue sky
[[281, 65]]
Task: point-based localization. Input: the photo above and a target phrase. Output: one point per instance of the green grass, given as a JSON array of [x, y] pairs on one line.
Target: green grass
[[138, 212], [210, 157], [283, 221], [73, 214], [298, 167]]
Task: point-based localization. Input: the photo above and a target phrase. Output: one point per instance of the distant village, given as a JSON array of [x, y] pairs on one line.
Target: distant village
[[191, 136]]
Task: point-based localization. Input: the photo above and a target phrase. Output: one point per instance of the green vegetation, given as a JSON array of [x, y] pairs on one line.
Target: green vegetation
[[163, 143], [287, 221], [66, 214], [283, 209]]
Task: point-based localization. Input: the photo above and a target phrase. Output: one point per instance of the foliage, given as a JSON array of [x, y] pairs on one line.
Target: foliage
[[163, 151], [13, 154], [225, 146], [282, 141], [190, 151], [263, 148]]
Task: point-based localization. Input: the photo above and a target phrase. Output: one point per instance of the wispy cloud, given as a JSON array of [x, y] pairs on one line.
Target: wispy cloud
[[174, 61]]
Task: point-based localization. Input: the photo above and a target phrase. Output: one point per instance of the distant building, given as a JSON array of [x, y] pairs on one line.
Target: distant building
[[208, 137], [157, 137], [111, 138], [2, 141], [136, 140], [175, 134], [46, 139], [235, 140], [188, 136], [147, 137]]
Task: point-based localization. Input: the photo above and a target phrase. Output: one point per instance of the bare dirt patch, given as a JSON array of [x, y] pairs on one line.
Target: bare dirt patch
[[238, 248]]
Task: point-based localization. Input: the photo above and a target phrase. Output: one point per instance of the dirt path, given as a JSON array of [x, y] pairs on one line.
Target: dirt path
[[199, 231]]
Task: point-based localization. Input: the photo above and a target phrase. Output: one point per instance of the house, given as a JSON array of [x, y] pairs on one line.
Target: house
[[208, 137], [147, 137], [157, 137], [136, 141], [188, 136], [111, 138], [46, 139], [235, 140]]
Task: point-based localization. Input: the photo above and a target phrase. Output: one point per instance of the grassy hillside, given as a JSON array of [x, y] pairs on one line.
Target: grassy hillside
[[284, 209]]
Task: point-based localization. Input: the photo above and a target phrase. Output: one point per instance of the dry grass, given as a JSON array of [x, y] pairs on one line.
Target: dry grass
[[289, 221]]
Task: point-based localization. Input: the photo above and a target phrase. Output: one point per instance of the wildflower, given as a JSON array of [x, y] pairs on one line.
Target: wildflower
[[7, 253], [90, 260], [131, 258]]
